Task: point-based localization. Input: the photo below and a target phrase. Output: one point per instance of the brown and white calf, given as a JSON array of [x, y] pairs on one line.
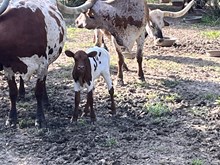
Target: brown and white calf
[[32, 37], [89, 66]]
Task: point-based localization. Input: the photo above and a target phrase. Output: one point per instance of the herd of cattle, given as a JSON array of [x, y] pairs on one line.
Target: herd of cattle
[[33, 34]]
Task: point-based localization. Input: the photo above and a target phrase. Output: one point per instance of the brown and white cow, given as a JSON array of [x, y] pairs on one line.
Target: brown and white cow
[[124, 20], [32, 37]]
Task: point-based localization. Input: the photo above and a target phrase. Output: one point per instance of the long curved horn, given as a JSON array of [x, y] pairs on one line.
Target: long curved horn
[[179, 13], [76, 10], [4, 6]]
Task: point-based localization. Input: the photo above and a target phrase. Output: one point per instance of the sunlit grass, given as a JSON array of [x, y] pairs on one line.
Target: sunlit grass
[[157, 109], [212, 34], [72, 34], [164, 64]]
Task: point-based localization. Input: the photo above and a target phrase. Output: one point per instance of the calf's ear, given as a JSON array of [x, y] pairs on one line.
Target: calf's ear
[[92, 54], [69, 53]]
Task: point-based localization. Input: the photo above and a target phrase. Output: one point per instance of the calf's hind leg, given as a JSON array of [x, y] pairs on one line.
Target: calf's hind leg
[[111, 92]]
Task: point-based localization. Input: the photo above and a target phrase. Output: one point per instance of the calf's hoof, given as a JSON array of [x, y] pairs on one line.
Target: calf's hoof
[[120, 82], [11, 123], [73, 120], [142, 79], [39, 123], [93, 120]]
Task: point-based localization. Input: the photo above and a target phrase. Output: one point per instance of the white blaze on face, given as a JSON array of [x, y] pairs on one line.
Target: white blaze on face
[[156, 16], [55, 28]]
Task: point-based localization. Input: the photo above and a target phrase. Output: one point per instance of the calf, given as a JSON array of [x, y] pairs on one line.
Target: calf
[[88, 66]]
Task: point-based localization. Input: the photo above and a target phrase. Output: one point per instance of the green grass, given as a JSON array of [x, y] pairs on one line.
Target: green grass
[[211, 20], [72, 34], [217, 101], [141, 84], [197, 162], [170, 83], [212, 34], [171, 98], [24, 123], [111, 142], [151, 96], [157, 109]]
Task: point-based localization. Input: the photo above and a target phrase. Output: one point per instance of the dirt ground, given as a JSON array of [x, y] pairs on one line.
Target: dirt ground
[[182, 80]]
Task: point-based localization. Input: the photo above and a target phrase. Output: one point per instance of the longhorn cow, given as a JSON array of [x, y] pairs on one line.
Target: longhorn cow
[[32, 37], [156, 17]]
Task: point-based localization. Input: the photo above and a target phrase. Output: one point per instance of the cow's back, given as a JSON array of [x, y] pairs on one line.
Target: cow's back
[[127, 18]]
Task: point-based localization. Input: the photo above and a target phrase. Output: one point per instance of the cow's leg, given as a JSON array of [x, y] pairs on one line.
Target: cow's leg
[[45, 96], [99, 39], [140, 45], [108, 81], [13, 93], [120, 63], [76, 109], [21, 89], [90, 103], [39, 91], [120, 80]]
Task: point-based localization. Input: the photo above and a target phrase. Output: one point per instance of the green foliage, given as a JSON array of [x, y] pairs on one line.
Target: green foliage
[[217, 101], [111, 142], [212, 34], [170, 83], [157, 109], [24, 123], [197, 162], [211, 19]]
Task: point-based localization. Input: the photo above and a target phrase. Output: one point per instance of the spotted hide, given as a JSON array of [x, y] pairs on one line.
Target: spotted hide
[[32, 37]]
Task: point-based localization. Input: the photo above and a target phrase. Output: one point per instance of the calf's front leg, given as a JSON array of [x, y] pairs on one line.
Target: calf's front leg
[[90, 104], [76, 110]]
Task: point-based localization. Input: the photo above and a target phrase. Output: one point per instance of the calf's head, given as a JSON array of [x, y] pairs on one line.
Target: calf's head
[[82, 68]]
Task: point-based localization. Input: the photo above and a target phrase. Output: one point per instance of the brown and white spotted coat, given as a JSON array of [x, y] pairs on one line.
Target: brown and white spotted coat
[[32, 37], [89, 66]]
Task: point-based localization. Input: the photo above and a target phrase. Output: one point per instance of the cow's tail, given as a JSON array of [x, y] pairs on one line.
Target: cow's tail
[[76, 10], [4, 6], [179, 13]]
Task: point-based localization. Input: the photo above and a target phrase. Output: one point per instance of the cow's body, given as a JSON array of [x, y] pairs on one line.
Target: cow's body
[[124, 20], [32, 37]]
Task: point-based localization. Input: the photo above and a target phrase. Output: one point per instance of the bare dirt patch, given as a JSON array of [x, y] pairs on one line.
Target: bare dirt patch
[[182, 79]]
